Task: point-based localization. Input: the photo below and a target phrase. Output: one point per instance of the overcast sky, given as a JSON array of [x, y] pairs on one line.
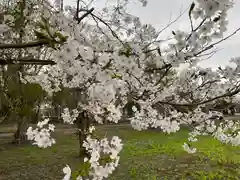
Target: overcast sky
[[159, 12]]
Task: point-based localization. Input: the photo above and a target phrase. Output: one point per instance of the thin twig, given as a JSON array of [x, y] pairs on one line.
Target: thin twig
[[106, 24], [167, 26], [212, 45], [85, 15]]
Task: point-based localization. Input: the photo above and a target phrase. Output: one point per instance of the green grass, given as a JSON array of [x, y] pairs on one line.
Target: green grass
[[147, 155]]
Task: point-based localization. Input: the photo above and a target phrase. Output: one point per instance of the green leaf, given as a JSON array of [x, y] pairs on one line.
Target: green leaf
[[116, 76], [45, 21], [83, 170], [40, 25], [60, 36], [40, 35]]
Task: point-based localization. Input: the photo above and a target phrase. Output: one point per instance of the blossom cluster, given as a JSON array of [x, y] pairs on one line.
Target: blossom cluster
[[42, 134], [103, 158], [149, 117], [67, 117], [226, 131], [95, 148]]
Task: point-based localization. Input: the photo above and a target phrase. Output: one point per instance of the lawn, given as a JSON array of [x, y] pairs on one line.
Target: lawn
[[147, 155]]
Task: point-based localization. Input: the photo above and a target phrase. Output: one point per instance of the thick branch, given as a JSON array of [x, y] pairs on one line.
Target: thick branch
[[25, 45], [26, 61], [166, 66]]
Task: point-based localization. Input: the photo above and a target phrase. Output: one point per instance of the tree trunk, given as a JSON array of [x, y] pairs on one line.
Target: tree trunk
[[83, 124], [20, 135]]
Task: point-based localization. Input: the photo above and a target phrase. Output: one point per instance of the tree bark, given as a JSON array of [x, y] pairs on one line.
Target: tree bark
[[20, 135], [83, 124]]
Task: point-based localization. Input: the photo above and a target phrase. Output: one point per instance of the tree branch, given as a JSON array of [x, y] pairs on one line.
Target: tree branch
[[108, 26], [25, 45], [84, 15], [166, 66], [212, 45], [26, 61], [203, 102]]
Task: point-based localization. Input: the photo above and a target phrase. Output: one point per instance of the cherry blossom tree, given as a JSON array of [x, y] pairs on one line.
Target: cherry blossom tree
[[112, 59], [13, 92]]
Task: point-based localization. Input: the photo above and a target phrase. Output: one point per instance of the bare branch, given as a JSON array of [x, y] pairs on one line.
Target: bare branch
[[84, 15], [190, 13], [106, 24], [194, 30], [167, 26], [214, 44]]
